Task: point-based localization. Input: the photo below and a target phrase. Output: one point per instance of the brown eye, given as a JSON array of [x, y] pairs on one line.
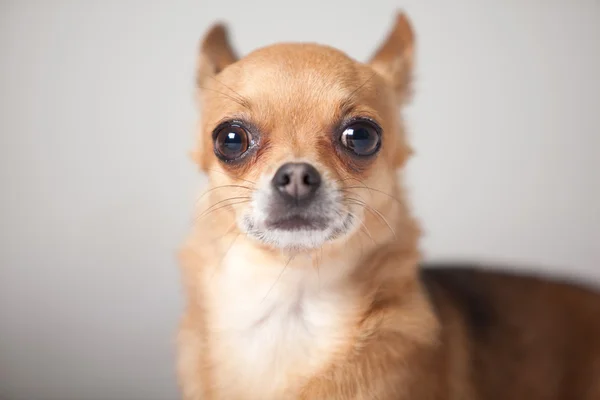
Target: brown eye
[[362, 138], [231, 142]]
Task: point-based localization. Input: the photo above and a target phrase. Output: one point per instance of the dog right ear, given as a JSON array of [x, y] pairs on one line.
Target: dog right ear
[[216, 53], [394, 58]]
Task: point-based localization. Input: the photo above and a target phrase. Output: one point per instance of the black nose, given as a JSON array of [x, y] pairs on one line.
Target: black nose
[[297, 181]]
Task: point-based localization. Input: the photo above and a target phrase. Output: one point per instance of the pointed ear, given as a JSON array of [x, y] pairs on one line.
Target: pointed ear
[[394, 58], [215, 54]]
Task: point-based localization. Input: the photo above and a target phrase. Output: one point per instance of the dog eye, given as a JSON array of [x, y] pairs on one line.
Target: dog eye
[[361, 138], [232, 141]]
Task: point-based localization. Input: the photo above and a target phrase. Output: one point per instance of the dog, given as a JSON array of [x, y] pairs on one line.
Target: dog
[[302, 272]]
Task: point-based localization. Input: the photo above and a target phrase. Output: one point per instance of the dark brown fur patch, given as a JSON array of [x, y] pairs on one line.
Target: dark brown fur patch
[[527, 337]]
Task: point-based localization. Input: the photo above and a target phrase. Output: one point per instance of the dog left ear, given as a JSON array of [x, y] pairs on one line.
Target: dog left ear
[[216, 53], [394, 58]]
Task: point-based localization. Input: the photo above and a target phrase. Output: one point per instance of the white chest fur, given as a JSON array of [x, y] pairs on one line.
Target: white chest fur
[[273, 325]]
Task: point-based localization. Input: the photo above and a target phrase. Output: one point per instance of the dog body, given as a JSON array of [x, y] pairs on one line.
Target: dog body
[[302, 275], [517, 337]]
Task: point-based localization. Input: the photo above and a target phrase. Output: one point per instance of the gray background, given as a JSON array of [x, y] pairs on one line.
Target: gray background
[[97, 116]]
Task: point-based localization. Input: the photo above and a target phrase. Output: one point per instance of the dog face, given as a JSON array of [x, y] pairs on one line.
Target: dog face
[[297, 138]]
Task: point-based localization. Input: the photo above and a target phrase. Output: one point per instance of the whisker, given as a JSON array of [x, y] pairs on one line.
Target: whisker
[[224, 255], [374, 211], [355, 91], [223, 187], [227, 231], [319, 267], [232, 177], [366, 230], [376, 190], [346, 190], [278, 277], [238, 101], [207, 212], [357, 180], [318, 258], [358, 238], [239, 96], [350, 178], [362, 250], [227, 199]]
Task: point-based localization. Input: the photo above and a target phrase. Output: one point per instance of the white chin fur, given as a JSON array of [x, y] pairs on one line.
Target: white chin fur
[[300, 239]]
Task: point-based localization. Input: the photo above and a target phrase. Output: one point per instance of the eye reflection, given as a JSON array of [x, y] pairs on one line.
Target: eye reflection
[[232, 141], [361, 138]]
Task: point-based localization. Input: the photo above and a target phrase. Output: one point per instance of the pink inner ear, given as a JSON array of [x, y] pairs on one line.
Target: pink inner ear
[[216, 52], [394, 58]]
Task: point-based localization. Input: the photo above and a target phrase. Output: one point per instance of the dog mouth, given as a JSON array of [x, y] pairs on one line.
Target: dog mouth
[[297, 223], [297, 231]]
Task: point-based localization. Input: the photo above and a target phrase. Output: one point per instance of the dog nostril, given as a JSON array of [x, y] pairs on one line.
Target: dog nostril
[[306, 180], [285, 180], [311, 177]]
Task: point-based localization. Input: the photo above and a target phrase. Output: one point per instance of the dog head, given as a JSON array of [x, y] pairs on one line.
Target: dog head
[[301, 143]]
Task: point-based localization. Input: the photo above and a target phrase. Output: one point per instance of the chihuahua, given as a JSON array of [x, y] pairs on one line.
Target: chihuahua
[[302, 272]]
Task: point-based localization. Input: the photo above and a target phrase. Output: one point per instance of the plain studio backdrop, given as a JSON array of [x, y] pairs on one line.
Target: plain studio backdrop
[[97, 116]]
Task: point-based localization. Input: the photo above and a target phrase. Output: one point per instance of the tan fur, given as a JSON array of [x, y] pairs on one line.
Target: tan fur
[[391, 335]]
